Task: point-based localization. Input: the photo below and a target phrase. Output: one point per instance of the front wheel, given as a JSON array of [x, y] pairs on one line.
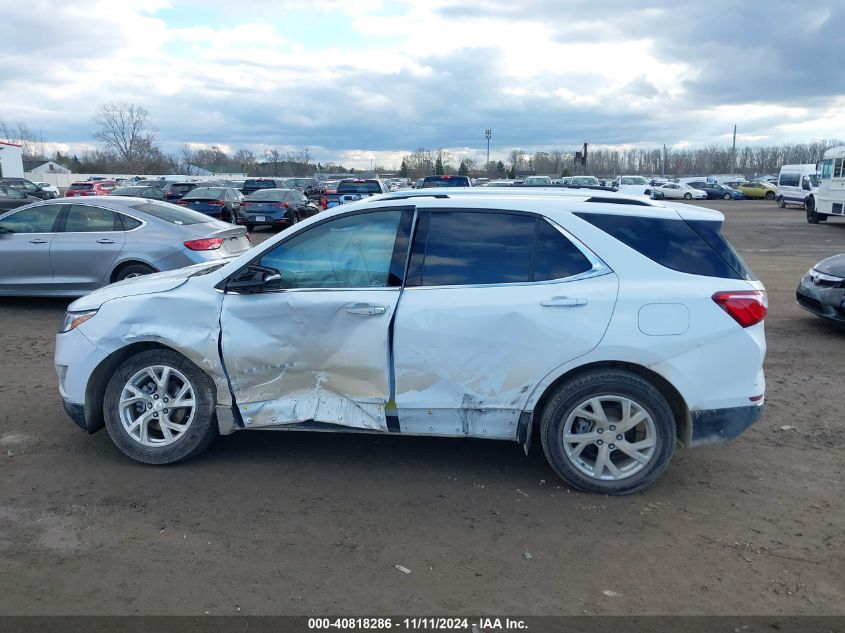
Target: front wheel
[[781, 203], [687, 196], [609, 432], [159, 408], [812, 216]]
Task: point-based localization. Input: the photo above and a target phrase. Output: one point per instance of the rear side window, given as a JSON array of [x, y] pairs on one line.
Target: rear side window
[[492, 248], [171, 213], [694, 247], [127, 222]]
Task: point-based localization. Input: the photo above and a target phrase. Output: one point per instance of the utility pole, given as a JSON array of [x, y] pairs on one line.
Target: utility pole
[[663, 171], [733, 152], [488, 133]]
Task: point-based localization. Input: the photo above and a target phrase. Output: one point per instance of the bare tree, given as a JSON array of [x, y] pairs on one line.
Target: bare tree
[[32, 143], [125, 128]]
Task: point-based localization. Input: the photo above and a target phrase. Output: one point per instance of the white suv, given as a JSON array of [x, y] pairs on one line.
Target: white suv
[[611, 325]]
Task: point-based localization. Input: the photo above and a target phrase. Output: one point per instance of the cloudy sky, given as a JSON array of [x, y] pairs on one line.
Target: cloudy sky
[[355, 80]]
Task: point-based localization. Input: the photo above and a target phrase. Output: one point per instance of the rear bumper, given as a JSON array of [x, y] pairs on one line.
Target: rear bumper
[[711, 426]]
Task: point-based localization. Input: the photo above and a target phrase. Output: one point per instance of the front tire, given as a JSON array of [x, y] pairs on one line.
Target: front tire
[[159, 408], [781, 203], [812, 216], [727, 196], [609, 432]]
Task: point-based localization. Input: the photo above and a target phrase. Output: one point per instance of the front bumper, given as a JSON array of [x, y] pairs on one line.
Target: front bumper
[[76, 359], [710, 426], [823, 301]]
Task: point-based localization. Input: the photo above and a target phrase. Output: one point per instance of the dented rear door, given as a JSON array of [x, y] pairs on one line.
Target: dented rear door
[[318, 350]]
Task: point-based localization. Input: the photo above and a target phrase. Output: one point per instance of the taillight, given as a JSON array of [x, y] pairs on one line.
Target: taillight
[[205, 244], [218, 202], [746, 307], [182, 202]]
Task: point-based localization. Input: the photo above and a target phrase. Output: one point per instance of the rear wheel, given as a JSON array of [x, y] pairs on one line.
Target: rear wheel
[[770, 195], [133, 270], [687, 196], [608, 431], [159, 408], [727, 196]]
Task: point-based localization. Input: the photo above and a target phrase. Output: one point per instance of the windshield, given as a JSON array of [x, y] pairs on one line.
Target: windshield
[[367, 186], [814, 180], [81, 186], [584, 180], [171, 213], [268, 194], [204, 192], [634, 180], [445, 181], [259, 184]]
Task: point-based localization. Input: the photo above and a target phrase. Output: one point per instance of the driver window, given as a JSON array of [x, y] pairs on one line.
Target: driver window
[[350, 252], [38, 219]]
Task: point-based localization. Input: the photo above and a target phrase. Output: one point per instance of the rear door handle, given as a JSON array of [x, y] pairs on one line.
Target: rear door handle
[[105, 240], [37, 240], [563, 302], [366, 309]]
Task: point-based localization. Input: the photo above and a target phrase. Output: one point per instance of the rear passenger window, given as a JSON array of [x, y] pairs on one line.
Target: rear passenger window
[[465, 247], [695, 247], [473, 248], [555, 256]]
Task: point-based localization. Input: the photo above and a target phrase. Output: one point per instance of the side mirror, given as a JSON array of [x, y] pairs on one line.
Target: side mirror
[[255, 278]]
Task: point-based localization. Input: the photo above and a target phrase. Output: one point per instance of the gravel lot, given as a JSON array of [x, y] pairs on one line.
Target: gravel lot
[[295, 523]]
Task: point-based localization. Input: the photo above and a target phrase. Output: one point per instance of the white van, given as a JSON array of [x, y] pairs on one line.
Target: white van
[[634, 185], [796, 183], [829, 200]]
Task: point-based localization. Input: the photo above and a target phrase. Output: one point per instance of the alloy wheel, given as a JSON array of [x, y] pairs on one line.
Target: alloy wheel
[[157, 406]]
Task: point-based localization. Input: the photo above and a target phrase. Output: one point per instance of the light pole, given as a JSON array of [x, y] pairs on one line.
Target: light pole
[[488, 133]]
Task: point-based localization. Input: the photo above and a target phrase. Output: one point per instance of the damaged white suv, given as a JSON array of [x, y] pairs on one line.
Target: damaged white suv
[[612, 325]]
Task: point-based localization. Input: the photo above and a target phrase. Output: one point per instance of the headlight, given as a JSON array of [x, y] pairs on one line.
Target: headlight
[[74, 319]]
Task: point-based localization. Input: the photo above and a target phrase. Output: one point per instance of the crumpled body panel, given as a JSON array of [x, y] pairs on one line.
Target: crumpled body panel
[[300, 356]]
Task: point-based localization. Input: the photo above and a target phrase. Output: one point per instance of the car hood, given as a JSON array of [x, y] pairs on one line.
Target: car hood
[[147, 284], [834, 266]]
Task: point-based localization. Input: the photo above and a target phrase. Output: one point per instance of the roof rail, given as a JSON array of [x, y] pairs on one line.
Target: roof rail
[[639, 203]]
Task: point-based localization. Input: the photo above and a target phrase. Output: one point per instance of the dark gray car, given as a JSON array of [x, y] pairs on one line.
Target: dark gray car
[[68, 247], [822, 290], [11, 198]]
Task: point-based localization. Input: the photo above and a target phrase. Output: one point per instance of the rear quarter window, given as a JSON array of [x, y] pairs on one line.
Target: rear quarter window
[[171, 213], [695, 247]]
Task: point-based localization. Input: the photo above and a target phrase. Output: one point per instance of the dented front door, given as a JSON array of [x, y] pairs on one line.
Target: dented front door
[[318, 350]]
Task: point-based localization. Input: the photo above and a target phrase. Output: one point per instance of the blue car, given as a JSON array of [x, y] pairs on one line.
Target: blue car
[[222, 203], [715, 191]]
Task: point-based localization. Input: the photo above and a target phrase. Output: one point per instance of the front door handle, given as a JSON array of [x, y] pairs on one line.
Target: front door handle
[[105, 240], [563, 302], [366, 309], [37, 240]]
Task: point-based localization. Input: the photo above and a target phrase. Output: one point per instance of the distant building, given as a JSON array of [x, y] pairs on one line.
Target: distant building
[[41, 167], [11, 160]]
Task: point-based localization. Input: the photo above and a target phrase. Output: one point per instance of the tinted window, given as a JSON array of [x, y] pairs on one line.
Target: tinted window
[[695, 247], [128, 223], [81, 186], [38, 219], [82, 218], [9, 192], [259, 184], [274, 195], [368, 186], [349, 252], [789, 180], [171, 213], [475, 248], [445, 181], [555, 257]]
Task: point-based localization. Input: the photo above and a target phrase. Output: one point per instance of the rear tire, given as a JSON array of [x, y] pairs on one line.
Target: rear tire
[[133, 270], [687, 196], [770, 195], [628, 426], [159, 408], [812, 216], [727, 196]]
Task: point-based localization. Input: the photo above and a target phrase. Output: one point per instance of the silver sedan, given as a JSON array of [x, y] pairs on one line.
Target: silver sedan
[[69, 247]]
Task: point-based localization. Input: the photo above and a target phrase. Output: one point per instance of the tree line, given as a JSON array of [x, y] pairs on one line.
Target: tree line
[[129, 144]]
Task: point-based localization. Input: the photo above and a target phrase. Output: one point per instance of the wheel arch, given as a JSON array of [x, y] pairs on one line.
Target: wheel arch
[[125, 263], [680, 410], [95, 390]]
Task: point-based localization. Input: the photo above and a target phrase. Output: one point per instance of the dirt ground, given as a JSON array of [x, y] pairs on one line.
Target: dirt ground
[[296, 523]]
